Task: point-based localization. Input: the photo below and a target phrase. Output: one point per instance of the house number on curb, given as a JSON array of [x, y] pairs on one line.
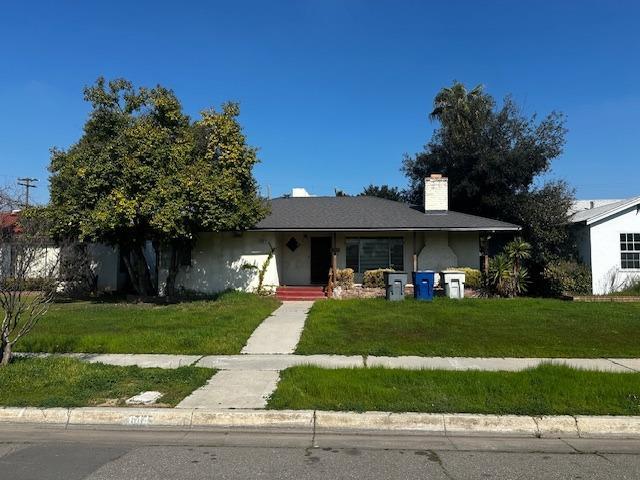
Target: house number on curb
[[139, 420]]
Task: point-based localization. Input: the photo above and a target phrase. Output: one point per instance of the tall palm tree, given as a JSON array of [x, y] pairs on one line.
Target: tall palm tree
[[456, 99]]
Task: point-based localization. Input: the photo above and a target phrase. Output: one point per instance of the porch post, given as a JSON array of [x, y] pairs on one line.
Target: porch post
[[484, 250], [334, 266], [415, 253], [334, 257]]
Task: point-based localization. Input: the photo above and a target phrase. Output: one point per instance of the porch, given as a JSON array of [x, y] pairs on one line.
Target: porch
[[306, 258]]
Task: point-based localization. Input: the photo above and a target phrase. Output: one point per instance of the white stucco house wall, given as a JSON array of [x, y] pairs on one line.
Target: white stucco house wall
[[305, 234], [608, 241], [363, 233]]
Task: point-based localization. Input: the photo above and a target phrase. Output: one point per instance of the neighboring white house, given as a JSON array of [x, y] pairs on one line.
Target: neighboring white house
[[307, 233], [608, 237]]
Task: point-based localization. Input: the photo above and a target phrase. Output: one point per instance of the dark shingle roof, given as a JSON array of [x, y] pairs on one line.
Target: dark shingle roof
[[366, 213]]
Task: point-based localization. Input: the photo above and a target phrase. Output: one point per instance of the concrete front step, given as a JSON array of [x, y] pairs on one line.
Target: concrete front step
[[301, 288], [300, 293], [301, 298], [295, 293], [304, 290]]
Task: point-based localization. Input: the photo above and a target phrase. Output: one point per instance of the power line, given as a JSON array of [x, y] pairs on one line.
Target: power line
[[27, 183]]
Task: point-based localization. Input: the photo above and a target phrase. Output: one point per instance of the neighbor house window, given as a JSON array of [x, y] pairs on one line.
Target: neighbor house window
[[371, 253], [630, 250]]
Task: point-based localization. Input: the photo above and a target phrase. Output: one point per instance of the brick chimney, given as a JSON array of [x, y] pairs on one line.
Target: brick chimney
[[436, 193]]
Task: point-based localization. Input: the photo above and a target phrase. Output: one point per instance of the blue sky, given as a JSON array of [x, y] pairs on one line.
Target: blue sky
[[333, 92]]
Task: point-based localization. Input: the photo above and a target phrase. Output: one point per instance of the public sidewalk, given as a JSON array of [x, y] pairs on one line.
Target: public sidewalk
[[268, 362]]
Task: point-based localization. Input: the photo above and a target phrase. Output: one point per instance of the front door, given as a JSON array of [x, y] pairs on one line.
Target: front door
[[320, 259]]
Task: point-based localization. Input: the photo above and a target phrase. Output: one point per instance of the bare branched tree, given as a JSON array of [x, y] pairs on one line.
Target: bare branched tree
[[10, 198], [28, 280]]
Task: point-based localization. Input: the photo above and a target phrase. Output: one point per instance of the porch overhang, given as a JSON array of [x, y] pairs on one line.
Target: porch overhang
[[387, 229]]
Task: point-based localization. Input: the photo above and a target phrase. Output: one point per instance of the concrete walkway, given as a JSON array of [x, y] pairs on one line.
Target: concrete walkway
[[249, 385], [231, 389], [280, 332]]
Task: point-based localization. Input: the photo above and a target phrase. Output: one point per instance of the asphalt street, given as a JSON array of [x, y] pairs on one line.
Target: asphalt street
[[37, 453]]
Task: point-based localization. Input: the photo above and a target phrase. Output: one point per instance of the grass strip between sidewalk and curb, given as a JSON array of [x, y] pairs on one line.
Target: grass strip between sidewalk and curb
[[516, 327], [65, 382], [545, 390], [205, 327]]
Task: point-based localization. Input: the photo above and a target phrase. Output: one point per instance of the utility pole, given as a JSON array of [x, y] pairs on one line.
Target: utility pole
[[27, 183]]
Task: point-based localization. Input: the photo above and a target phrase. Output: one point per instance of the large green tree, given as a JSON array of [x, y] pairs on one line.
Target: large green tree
[[383, 191], [143, 172], [491, 154], [543, 214], [494, 157]]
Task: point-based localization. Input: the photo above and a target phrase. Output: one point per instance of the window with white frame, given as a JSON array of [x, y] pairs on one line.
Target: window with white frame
[[372, 253], [630, 251]]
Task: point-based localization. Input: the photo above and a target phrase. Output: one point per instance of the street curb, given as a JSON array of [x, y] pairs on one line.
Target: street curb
[[324, 421]]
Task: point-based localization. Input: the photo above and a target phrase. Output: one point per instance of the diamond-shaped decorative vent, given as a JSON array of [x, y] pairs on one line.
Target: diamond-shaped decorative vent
[[293, 244]]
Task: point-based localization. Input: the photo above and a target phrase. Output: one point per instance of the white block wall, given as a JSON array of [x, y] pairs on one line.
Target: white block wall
[[436, 193]]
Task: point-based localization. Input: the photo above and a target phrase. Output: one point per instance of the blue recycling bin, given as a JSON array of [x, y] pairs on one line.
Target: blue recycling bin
[[423, 284]]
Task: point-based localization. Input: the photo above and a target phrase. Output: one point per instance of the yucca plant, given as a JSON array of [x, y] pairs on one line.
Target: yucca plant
[[518, 251], [520, 281], [507, 276], [500, 270]]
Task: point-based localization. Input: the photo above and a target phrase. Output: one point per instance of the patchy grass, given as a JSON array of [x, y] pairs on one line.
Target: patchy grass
[[632, 289], [220, 326], [65, 382], [545, 390], [522, 327]]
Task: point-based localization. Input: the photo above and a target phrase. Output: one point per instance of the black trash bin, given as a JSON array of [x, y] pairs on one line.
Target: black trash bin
[[394, 283]]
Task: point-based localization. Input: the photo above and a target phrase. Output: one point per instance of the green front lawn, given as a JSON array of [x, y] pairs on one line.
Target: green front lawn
[[546, 390], [65, 382], [220, 326], [522, 327]]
